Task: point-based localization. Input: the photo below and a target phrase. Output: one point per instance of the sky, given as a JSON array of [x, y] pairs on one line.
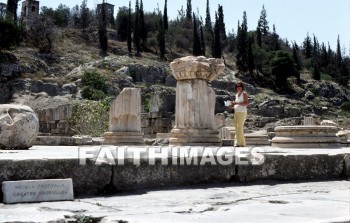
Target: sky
[[293, 19]]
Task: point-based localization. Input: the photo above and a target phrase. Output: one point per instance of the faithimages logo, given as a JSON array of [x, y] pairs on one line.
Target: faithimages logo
[[183, 155]]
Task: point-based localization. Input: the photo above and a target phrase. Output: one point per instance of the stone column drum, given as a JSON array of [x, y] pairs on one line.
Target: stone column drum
[[125, 119], [195, 123]]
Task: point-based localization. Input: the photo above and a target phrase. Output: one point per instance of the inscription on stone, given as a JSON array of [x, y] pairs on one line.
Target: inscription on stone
[[37, 190]]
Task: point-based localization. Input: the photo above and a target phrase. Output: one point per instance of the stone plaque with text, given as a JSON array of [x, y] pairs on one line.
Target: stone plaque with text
[[37, 190]]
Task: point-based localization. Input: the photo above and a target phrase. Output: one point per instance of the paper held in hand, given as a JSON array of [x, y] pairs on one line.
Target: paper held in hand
[[228, 103]]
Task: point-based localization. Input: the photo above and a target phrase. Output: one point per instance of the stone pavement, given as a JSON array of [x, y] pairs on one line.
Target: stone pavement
[[268, 201]]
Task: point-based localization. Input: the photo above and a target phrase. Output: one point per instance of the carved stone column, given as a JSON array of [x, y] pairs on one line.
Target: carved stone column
[[195, 122], [125, 119]]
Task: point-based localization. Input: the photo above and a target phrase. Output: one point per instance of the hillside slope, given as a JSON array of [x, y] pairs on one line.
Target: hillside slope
[[35, 79]]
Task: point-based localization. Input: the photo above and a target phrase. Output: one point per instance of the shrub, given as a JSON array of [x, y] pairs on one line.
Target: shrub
[[345, 106], [90, 117], [94, 86]]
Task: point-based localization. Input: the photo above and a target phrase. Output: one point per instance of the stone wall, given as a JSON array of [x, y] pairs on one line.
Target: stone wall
[[156, 122], [53, 121]]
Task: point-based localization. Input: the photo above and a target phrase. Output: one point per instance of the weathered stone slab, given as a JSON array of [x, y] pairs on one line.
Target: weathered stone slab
[[37, 190]]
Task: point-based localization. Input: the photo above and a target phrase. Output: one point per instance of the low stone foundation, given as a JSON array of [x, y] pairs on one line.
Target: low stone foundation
[[306, 137]]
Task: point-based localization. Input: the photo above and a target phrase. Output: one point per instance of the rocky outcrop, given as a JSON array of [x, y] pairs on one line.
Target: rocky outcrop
[[19, 126]]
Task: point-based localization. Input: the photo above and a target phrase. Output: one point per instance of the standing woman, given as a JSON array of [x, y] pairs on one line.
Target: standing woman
[[240, 105]]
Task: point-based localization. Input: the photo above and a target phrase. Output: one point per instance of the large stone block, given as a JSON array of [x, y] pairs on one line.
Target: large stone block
[[19, 126]]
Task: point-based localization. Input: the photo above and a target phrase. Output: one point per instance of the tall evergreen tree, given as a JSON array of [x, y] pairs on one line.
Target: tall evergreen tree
[[165, 16], [196, 40], [208, 24], [11, 8], [221, 22], [274, 40], [129, 29], [316, 72], [307, 47], [102, 29], [137, 34], [143, 29], [189, 10], [339, 57], [263, 24], [161, 39], [296, 60], [217, 51], [251, 64], [84, 15], [315, 50], [242, 45], [202, 41], [324, 61], [258, 37]]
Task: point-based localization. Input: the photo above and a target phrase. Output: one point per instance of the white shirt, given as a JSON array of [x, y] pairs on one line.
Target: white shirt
[[240, 99]]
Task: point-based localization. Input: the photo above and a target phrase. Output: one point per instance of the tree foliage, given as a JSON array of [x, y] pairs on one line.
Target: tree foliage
[[10, 33]]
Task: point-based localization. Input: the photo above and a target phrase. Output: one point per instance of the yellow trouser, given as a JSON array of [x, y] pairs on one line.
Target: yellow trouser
[[239, 118]]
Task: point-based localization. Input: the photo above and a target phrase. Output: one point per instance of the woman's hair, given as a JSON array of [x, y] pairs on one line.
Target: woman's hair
[[239, 83]]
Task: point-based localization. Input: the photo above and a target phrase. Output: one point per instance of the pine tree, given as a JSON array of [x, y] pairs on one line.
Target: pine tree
[[221, 22], [263, 24], [324, 61], [217, 51], [129, 29], [189, 10], [315, 50], [165, 16], [143, 30], [196, 40], [102, 30], [202, 41], [137, 33]]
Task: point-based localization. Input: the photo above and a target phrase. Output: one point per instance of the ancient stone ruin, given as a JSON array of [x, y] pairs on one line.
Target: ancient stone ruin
[[19, 126], [125, 119], [308, 135], [195, 122]]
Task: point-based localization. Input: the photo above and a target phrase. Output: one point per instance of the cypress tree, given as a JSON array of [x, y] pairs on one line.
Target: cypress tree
[[242, 45], [196, 40], [143, 30], [307, 47], [221, 22], [202, 41], [274, 44], [137, 29], [324, 56], [296, 60], [316, 73], [11, 9], [258, 37], [208, 24], [165, 16], [129, 29], [250, 56], [217, 52], [84, 15], [189, 10], [161, 39], [339, 58], [102, 30]]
